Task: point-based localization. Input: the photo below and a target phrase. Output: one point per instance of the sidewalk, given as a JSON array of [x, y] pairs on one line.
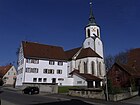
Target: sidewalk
[[4, 102]]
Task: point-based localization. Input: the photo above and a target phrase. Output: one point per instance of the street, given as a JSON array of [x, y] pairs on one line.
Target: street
[[13, 97]]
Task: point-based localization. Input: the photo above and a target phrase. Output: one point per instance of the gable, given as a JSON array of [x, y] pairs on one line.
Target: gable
[[4, 70], [87, 77], [87, 52], [70, 53]]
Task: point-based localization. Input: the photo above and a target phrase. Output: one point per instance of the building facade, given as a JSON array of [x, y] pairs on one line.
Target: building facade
[[39, 63], [8, 75]]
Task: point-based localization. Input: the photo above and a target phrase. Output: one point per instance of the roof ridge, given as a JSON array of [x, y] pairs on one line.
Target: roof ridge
[[41, 44]]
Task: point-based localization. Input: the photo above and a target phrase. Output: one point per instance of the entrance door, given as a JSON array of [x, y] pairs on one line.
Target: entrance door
[[90, 84], [53, 80], [97, 84]]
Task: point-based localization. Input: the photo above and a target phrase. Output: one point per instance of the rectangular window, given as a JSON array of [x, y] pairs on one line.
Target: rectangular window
[[51, 62], [35, 61], [44, 70], [60, 63], [44, 79], [5, 78], [118, 79], [59, 71], [50, 71], [34, 79], [39, 79], [31, 70], [79, 82], [60, 79], [28, 70]]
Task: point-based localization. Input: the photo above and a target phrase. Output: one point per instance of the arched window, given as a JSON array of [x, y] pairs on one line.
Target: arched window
[[79, 66], [100, 68], [85, 67], [98, 34], [88, 31], [92, 67]]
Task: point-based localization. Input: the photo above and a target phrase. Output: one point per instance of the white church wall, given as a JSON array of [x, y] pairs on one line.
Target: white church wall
[[89, 42], [89, 60], [99, 47], [71, 66]]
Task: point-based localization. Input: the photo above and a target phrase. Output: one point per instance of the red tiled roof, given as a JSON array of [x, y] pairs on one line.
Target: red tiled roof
[[87, 77], [4, 70], [132, 71], [87, 52], [36, 50], [72, 52]]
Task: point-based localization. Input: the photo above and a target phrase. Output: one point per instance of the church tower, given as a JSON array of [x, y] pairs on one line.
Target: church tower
[[93, 37]]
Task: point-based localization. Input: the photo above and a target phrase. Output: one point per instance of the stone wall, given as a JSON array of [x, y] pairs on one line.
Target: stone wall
[[49, 88], [122, 96], [88, 93]]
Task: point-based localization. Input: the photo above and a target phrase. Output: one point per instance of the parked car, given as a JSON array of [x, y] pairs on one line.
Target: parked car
[[31, 90]]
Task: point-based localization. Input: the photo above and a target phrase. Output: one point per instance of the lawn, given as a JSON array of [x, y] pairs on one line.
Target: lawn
[[65, 89]]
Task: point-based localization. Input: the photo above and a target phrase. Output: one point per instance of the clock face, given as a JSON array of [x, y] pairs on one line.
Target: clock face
[[94, 29]]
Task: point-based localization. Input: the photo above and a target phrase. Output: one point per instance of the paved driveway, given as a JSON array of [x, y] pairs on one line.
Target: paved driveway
[[134, 100]]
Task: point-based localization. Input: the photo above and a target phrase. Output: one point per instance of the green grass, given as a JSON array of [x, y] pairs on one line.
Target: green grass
[[65, 89]]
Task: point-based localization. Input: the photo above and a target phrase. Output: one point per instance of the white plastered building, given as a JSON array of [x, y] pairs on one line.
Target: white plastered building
[[39, 63]]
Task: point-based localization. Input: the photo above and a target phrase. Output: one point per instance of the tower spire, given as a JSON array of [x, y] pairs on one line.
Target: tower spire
[[91, 16]]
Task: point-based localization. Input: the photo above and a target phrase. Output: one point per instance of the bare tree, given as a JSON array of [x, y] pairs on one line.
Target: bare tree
[[120, 57], [109, 61]]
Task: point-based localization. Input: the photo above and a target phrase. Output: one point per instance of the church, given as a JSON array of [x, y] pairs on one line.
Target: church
[[83, 66]]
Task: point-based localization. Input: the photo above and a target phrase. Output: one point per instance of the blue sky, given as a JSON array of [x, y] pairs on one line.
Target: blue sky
[[62, 22]]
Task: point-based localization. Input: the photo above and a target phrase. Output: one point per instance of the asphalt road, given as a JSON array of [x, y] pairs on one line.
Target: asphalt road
[[24, 99], [17, 98]]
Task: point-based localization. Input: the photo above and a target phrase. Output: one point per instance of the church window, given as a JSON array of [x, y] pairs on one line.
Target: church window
[[97, 32], [88, 31], [85, 67], [99, 68], [92, 66], [79, 67], [88, 43]]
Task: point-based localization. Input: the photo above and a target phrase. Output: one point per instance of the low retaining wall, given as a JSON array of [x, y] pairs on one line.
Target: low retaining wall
[[122, 96], [49, 88], [87, 93]]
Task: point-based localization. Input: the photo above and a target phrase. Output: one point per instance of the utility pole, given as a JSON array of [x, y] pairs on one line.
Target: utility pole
[[106, 87]]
